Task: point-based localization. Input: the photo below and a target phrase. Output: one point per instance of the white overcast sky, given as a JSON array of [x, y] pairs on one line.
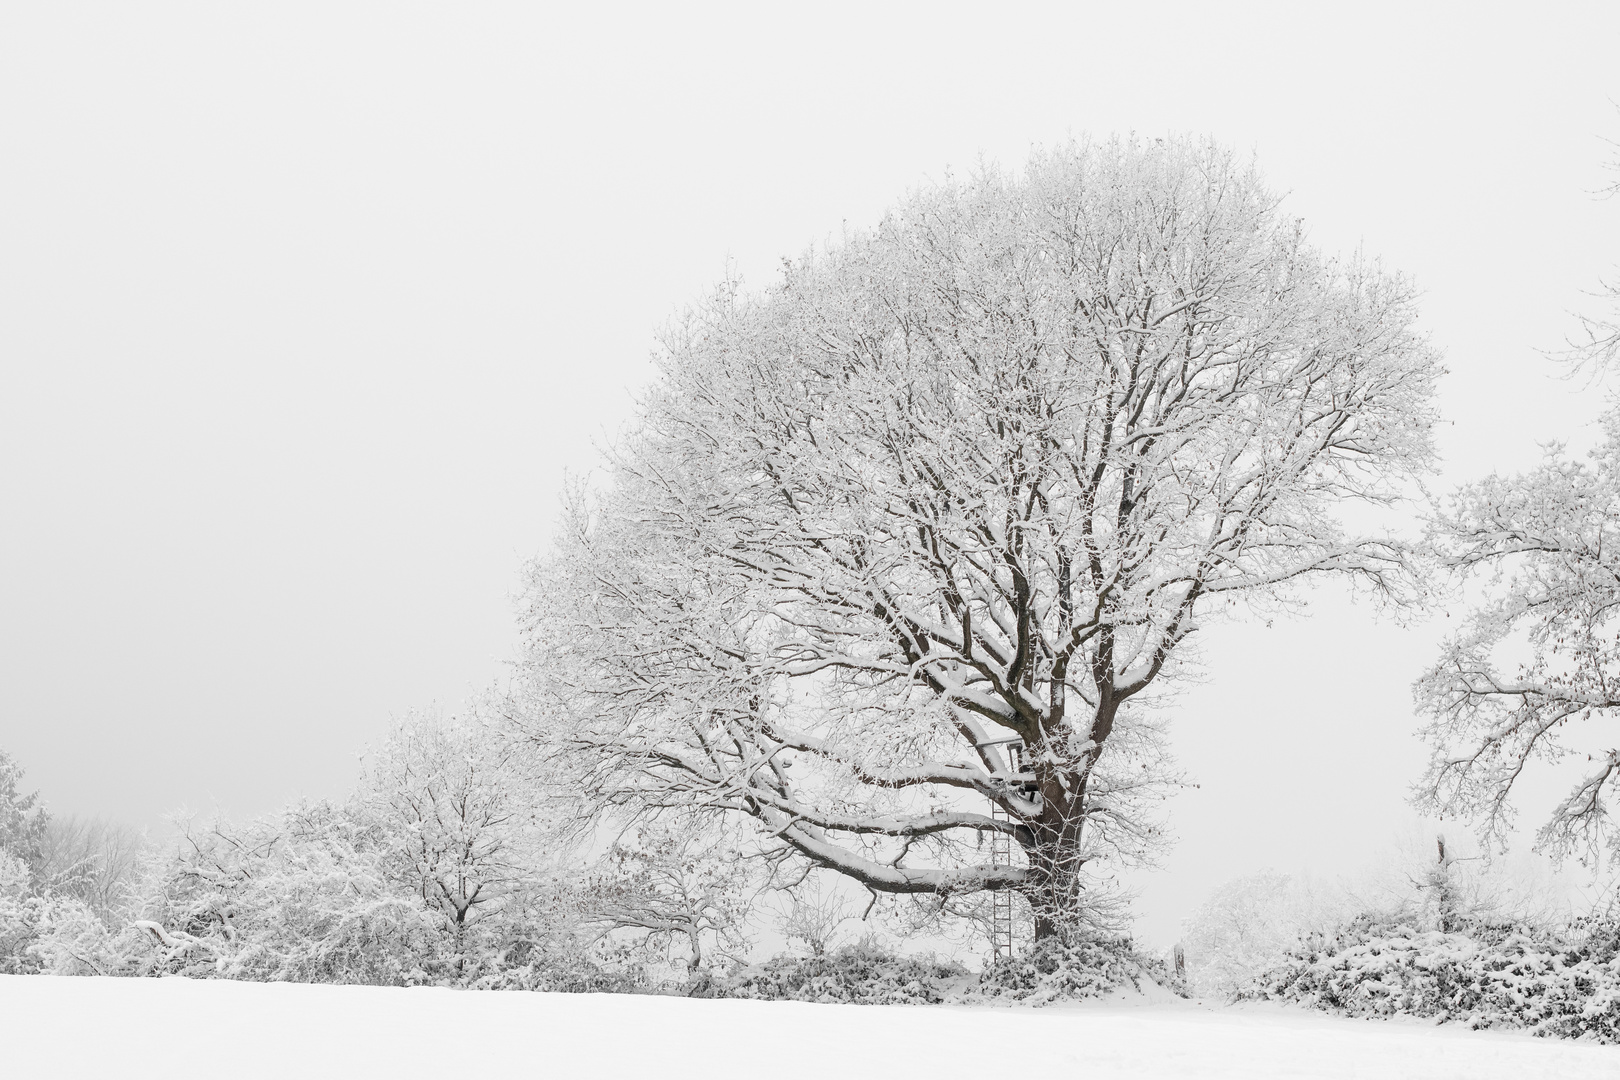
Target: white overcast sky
[[305, 309]]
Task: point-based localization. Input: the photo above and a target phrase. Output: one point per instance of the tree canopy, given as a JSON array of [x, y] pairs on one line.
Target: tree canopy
[[899, 547]]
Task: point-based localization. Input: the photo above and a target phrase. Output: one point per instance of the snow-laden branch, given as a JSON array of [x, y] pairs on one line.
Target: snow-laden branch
[[1534, 673]]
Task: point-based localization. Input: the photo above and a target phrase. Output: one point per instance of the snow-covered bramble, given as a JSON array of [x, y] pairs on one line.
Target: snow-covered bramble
[[865, 972], [1483, 975], [1454, 950], [48, 933], [900, 550], [862, 974], [1057, 971]]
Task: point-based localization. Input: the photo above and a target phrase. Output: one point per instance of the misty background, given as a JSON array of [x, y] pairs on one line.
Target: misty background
[[305, 313]]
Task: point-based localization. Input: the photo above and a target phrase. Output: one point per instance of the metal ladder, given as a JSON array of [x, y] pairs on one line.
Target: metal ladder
[[1001, 900], [1001, 856]]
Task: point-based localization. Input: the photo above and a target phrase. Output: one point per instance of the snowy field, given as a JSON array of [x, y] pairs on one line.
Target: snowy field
[[176, 1029]]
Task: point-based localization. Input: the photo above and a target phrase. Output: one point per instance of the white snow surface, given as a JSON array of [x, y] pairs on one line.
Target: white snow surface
[[178, 1028]]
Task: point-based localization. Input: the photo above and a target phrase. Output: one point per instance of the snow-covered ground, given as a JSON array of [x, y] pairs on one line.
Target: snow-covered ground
[[176, 1029]]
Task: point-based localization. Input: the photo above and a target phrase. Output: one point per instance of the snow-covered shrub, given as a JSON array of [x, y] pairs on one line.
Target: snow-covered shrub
[[1054, 971], [1252, 924], [303, 896], [567, 965], [863, 973], [19, 916], [72, 938], [1480, 974], [436, 871], [315, 895], [42, 932], [868, 973]]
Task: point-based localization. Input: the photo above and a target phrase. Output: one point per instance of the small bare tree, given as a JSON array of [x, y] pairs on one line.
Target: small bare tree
[[448, 795], [815, 916], [92, 859], [674, 885]]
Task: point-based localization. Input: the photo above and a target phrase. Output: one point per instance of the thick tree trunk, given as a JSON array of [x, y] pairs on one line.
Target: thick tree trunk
[[695, 963], [1054, 854], [1054, 895], [1052, 844]]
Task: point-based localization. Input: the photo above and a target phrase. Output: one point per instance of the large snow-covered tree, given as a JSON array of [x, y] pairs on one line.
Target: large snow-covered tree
[[901, 551]]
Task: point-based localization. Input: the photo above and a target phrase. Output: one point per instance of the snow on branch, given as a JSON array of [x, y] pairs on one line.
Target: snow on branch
[[1532, 673]]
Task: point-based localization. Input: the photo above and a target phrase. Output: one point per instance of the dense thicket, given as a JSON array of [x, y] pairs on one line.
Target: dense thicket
[[440, 869], [1561, 982]]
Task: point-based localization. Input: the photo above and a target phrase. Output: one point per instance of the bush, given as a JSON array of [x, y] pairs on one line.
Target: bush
[[868, 974], [1054, 972], [1484, 975], [47, 933], [565, 965], [863, 973]]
